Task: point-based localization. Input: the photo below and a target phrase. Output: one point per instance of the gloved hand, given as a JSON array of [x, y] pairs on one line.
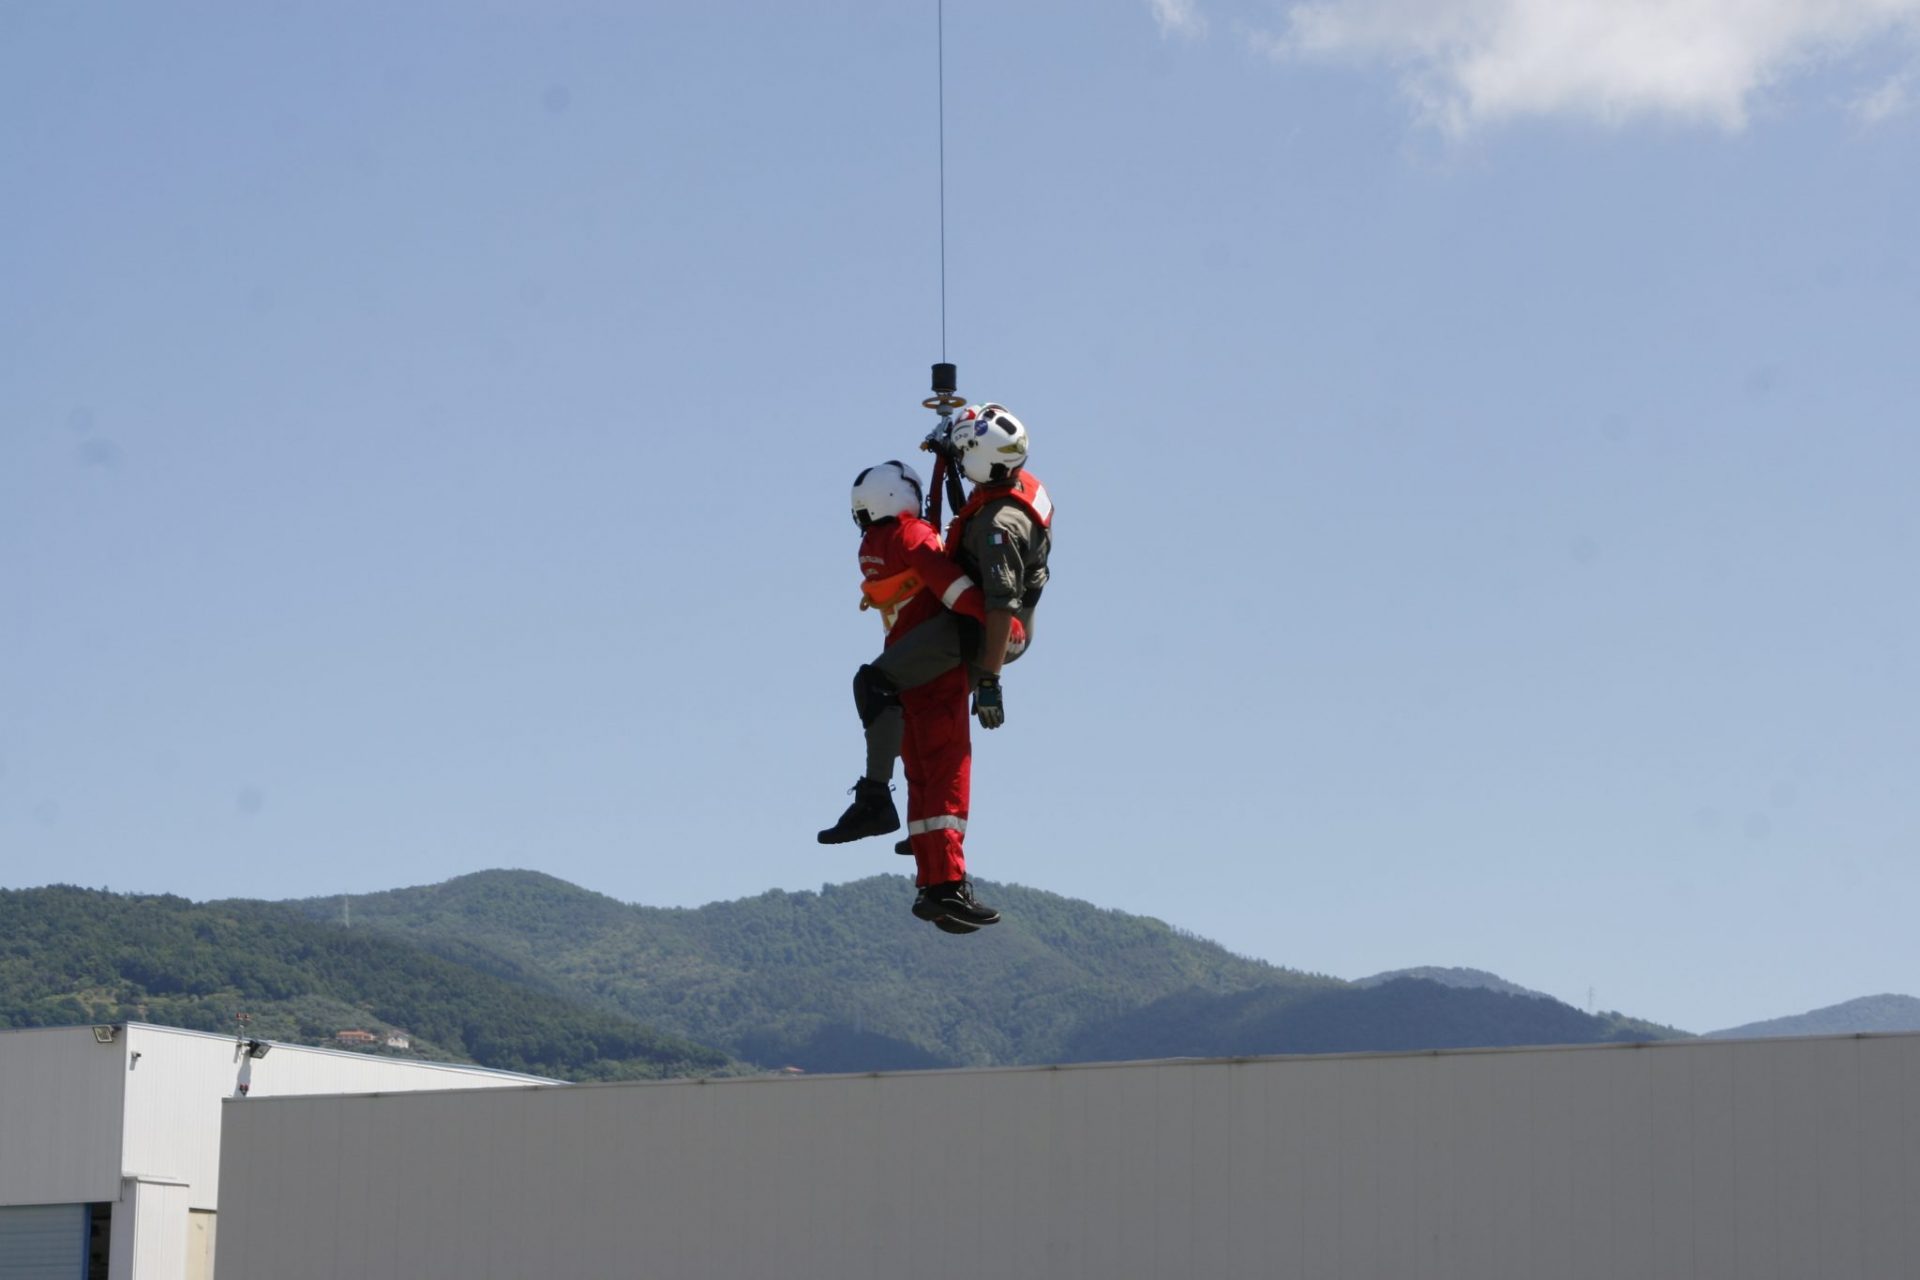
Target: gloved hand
[[987, 704]]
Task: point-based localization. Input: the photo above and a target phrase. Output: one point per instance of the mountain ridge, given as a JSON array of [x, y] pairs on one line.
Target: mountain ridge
[[1451, 976], [783, 974], [800, 976], [85, 955], [1885, 1012], [520, 969]]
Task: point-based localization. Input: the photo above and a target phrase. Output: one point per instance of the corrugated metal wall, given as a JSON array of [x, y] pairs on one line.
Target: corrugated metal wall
[[60, 1097], [175, 1088], [149, 1234], [136, 1121], [1762, 1160], [43, 1242]]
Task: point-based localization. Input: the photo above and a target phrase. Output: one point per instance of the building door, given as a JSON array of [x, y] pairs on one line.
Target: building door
[[43, 1242], [199, 1244]]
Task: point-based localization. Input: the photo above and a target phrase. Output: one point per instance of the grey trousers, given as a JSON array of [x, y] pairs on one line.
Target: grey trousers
[[926, 652]]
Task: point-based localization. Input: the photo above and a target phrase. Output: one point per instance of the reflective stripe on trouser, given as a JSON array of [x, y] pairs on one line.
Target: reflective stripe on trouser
[[937, 752]]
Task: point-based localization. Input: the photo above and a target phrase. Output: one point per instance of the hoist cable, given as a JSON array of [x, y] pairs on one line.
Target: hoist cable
[[940, 45]]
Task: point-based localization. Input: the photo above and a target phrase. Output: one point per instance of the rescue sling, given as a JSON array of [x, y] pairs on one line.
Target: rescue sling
[[890, 594]]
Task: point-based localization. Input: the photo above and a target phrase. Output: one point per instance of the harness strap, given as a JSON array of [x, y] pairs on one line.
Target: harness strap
[[890, 594]]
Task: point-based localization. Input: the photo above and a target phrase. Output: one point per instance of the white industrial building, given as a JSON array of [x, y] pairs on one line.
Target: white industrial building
[[110, 1139], [1732, 1160]]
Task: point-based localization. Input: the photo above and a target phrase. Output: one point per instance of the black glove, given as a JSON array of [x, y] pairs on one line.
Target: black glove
[[987, 704]]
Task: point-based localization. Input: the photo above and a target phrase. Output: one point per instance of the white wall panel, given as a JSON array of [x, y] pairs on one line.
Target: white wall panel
[[1798, 1084], [1710, 1115], [1672, 1211], [149, 1233], [1551, 1172], [1839, 1143], [173, 1090], [76, 1115], [60, 1100], [1694, 1159], [175, 1087], [1889, 1160]]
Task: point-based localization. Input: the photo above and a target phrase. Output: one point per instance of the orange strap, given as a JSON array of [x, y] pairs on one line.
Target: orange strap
[[884, 593], [890, 595]]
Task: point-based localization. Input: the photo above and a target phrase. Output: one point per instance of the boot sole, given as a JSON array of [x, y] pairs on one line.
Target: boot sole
[[978, 921], [830, 836], [941, 919], [935, 910]]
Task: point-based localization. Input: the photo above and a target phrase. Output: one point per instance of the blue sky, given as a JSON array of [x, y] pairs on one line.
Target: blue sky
[[1483, 436]]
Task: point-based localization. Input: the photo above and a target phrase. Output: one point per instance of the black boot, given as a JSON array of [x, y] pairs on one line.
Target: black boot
[[953, 902], [905, 847], [923, 907], [871, 814]]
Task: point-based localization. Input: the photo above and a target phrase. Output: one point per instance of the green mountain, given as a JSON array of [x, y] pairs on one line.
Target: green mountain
[[845, 980], [842, 979], [1452, 977], [72, 955], [1401, 1014], [519, 970], [1868, 1013]]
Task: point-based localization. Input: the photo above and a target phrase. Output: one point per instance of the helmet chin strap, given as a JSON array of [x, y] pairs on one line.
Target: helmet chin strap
[[945, 401]]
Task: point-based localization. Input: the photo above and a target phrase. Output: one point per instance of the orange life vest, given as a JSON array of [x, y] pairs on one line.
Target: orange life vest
[[1026, 490]]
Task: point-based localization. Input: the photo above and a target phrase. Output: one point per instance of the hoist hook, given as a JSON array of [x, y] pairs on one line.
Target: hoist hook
[[946, 400]]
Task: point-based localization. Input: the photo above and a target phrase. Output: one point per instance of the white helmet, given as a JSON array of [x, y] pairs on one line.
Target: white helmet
[[882, 492], [990, 441]]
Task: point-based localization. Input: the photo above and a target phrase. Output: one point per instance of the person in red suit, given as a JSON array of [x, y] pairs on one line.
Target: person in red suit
[[944, 634]]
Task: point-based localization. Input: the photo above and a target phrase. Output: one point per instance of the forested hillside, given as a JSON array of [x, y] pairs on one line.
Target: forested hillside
[[520, 970], [1402, 1014], [1881, 1013], [72, 955], [842, 979], [1451, 977]]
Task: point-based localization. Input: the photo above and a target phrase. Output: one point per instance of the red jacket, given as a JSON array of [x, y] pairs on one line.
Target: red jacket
[[909, 577]]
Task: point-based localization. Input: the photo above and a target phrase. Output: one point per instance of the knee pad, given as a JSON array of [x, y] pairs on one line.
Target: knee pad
[[873, 693]]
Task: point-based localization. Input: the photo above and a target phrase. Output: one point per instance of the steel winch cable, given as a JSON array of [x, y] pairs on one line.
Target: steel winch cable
[[945, 399], [940, 54]]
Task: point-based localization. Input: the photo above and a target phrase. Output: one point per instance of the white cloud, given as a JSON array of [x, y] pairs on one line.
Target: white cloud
[[1471, 62], [1179, 17], [1892, 98]]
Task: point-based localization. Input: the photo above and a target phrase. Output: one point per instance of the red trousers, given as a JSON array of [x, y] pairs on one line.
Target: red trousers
[[936, 750]]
